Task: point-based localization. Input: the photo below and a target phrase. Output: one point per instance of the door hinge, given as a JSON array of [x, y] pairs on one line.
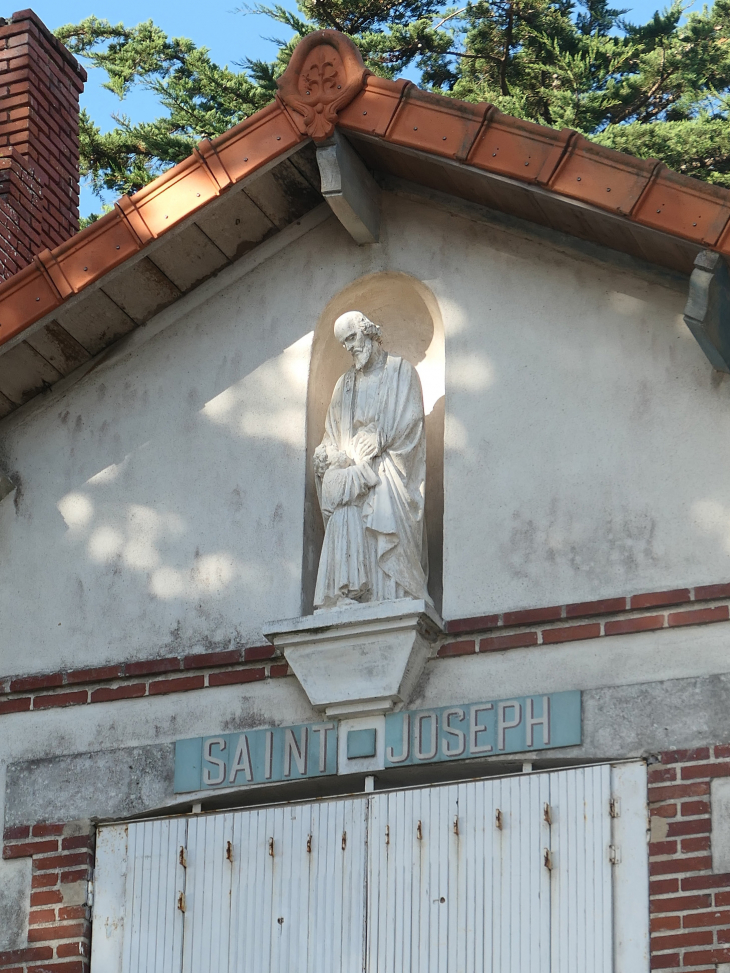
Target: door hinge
[[548, 860], [498, 819], [614, 807], [229, 851], [183, 857], [547, 813], [614, 854], [181, 901]]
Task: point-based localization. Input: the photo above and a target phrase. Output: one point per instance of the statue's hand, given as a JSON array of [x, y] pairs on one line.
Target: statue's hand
[[365, 444]]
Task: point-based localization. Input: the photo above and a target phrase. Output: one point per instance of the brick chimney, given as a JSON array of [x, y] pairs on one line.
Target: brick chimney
[[40, 85]]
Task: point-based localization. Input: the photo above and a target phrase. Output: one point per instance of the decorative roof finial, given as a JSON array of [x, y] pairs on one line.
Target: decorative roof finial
[[325, 73]]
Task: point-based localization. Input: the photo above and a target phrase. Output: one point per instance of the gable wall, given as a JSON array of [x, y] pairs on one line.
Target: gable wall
[[161, 498]]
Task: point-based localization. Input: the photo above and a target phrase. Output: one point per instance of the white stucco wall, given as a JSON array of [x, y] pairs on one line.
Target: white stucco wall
[[162, 496]]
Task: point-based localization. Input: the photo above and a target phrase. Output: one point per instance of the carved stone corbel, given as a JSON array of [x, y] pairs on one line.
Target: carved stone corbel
[[350, 190], [707, 314], [6, 486]]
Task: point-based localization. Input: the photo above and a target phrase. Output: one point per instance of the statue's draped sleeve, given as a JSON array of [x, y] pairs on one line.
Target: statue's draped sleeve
[[393, 511]]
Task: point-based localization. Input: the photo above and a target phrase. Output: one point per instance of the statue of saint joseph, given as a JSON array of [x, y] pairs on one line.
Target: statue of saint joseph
[[370, 470]]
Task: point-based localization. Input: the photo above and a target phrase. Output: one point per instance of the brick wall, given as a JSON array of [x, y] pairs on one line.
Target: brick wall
[[131, 680], [40, 84], [59, 933], [647, 612], [689, 903]]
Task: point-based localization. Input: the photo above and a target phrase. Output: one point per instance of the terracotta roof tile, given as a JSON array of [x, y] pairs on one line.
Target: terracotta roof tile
[[371, 112], [602, 177], [434, 124], [684, 207], [327, 84], [137, 220], [519, 149]]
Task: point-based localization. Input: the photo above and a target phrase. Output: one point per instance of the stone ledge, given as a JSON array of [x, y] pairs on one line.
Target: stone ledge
[[362, 659]]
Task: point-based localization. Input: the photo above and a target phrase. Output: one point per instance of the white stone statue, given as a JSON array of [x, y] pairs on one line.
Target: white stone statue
[[371, 472]]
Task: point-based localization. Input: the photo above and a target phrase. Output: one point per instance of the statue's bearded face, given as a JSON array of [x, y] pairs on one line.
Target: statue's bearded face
[[360, 347]]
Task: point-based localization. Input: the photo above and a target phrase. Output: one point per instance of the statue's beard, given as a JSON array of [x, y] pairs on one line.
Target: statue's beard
[[361, 358]]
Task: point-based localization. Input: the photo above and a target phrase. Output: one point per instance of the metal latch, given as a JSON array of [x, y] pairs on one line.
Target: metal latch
[[614, 807], [614, 854]]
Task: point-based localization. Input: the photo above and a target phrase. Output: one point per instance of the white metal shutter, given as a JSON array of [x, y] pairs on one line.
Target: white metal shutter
[[153, 926], [457, 880], [277, 889], [208, 893], [490, 876], [582, 901]]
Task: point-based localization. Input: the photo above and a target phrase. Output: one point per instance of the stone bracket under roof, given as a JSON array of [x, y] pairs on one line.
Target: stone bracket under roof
[[707, 314], [350, 190]]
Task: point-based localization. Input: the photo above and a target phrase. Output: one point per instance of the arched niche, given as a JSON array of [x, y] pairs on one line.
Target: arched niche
[[409, 316]]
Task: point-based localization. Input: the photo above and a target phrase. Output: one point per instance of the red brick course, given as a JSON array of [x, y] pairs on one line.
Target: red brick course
[[689, 904], [162, 687], [493, 643], [240, 676], [59, 933], [227, 667]]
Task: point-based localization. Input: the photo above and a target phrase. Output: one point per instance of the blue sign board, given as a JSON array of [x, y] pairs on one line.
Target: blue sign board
[[460, 732], [483, 729], [256, 757]]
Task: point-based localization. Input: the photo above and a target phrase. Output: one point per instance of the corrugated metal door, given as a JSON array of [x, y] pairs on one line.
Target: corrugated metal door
[[506, 876], [582, 903], [490, 876], [457, 879], [153, 923], [208, 881], [277, 889]]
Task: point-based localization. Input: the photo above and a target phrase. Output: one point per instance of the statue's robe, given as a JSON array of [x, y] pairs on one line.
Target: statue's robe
[[388, 398]]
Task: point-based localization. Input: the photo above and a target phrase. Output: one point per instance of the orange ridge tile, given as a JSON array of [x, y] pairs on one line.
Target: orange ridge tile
[[684, 207], [372, 110], [518, 149], [441, 126], [602, 177], [137, 220]]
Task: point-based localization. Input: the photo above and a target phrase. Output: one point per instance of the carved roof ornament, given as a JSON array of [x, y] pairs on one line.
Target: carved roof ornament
[[325, 73]]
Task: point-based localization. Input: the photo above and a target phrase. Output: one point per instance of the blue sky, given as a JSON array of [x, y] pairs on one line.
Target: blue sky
[[230, 36]]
